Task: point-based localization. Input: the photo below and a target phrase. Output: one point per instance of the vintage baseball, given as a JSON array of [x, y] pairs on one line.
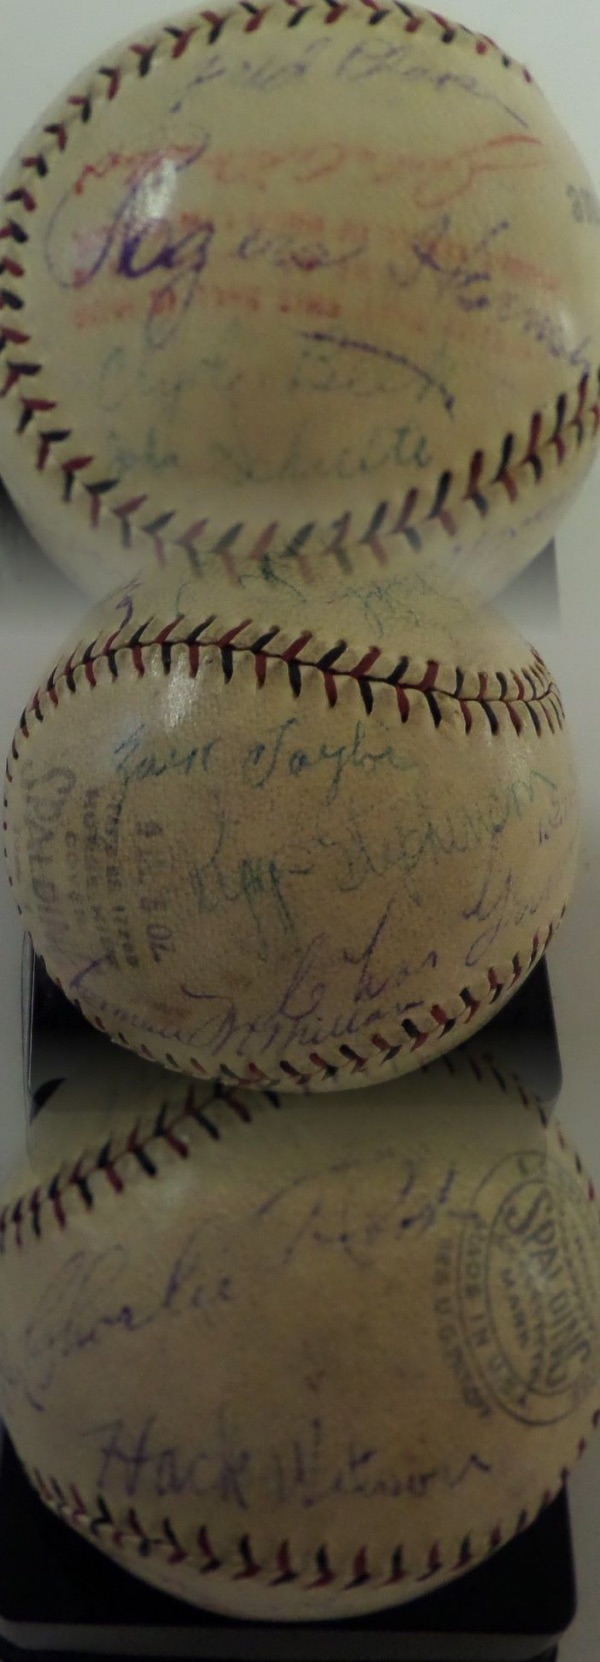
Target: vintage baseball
[[307, 271], [292, 836], [291, 1365]]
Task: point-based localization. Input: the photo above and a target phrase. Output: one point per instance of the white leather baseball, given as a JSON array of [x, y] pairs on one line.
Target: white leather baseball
[[294, 1365], [292, 836], [322, 270]]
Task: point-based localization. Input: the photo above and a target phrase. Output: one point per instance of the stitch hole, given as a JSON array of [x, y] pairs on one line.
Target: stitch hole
[[297, 16], [258, 647], [16, 304], [325, 1572], [465, 1555], [295, 677], [205, 1124], [505, 457], [113, 76], [397, 1567], [360, 1570], [434, 708], [17, 232], [491, 716], [251, 1568], [443, 487], [206, 1548], [399, 672], [84, 106], [330, 658], [24, 196], [561, 411], [284, 1565], [403, 702], [146, 57], [39, 163], [178, 1553], [216, 25], [366, 693], [194, 637], [227, 662]]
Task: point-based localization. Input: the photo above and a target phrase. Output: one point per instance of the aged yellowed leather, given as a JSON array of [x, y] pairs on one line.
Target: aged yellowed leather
[[293, 1364], [323, 269], [291, 834]]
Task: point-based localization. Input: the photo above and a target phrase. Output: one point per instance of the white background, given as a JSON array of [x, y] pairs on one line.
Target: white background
[[43, 44]]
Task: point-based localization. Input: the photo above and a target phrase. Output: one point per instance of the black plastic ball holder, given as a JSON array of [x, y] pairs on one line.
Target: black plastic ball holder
[[60, 1597]]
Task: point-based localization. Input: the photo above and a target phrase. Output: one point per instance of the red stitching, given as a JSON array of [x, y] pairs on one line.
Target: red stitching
[[412, 1037], [73, 1507], [264, 652], [245, 1567], [139, 1153], [22, 194], [183, 38], [434, 1563], [438, 513], [59, 131], [204, 1544], [143, 55]]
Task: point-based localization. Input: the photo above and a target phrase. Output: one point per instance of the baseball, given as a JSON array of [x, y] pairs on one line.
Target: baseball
[[289, 836], [292, 1365], [302, 272]]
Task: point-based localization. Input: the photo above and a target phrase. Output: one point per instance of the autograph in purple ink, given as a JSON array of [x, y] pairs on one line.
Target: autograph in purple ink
[[141, 241]]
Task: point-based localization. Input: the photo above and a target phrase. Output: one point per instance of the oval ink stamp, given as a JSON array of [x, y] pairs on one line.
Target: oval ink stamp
[[528, 1278]]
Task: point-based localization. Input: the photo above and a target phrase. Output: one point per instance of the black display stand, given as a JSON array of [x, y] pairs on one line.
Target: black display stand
[[60, 1597]]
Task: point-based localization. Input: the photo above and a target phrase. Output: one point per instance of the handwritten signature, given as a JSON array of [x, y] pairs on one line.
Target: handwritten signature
[[277, 752], [147, 237], [339, 1216], [368, 996], [307, 1468], [371, 59], [258, 883], [475, 279], [90, 1299], [142, 242]]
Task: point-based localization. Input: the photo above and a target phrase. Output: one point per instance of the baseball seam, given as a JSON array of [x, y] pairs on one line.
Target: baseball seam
[[548, 430], [441, 1018], [205, 1560], [435, 1024], [28, 1212], [529, 690], [534, 691], [75, 1184]]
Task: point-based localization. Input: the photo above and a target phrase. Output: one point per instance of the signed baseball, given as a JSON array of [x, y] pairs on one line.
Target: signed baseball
[[290, 836], [292, 1365], [298, 270]]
